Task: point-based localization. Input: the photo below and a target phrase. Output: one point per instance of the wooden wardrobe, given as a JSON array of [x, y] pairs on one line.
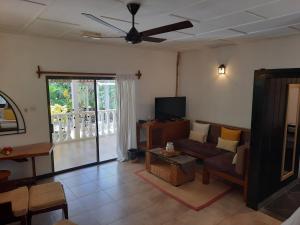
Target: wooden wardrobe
[[270, 131]]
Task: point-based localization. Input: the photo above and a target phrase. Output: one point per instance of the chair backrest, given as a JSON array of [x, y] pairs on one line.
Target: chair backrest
[[215, 132]]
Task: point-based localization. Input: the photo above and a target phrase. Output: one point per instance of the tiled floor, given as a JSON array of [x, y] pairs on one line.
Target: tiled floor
[[112, 194], [82, 152], [284, 205]]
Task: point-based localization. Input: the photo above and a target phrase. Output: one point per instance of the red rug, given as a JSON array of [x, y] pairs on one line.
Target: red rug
[[194, 195]]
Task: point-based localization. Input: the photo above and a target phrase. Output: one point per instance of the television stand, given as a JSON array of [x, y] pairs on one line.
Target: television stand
[[158, 133]]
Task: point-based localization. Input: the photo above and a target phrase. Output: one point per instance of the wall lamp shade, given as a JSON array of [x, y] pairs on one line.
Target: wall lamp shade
[[221, 69]]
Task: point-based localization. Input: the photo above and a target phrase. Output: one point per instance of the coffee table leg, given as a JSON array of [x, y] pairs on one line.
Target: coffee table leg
[[148, 161]]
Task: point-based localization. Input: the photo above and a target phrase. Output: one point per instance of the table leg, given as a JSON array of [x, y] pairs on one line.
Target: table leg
[[33, 167], [148, 161]]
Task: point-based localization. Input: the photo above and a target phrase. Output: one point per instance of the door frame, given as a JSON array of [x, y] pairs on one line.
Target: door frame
[[94, 79]]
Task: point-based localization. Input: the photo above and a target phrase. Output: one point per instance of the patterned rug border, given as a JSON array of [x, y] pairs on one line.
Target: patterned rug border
[[198, 208]]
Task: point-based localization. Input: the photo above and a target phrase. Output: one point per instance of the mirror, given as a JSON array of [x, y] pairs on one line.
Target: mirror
[[11, 118], [290, 132]]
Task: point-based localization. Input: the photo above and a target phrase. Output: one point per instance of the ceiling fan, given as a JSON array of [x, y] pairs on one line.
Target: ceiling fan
[[135, 37]]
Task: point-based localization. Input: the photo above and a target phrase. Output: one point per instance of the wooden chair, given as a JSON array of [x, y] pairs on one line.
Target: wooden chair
[[46, 198], [14, 205]]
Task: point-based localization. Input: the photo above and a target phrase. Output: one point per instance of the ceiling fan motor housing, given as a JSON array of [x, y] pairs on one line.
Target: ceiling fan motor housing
[[133, 36]]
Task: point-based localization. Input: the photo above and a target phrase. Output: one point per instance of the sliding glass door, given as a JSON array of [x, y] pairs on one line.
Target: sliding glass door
[[82, 121], [106, 99]]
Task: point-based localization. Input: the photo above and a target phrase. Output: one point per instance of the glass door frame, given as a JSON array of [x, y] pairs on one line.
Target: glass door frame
[[94, 79]]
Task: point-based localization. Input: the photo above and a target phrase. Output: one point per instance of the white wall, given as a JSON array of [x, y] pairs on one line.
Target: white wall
[[228, 100], [20, 55]]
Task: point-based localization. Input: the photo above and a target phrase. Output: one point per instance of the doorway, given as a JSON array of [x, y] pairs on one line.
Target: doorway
[[82, 117]]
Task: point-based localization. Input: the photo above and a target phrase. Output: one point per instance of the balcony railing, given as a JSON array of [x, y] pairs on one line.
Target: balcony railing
[[74, 126]]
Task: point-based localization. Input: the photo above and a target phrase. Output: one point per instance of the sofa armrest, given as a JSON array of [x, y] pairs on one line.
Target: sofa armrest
[[241, 165]]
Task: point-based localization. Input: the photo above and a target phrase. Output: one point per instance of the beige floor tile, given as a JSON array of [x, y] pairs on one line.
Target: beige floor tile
[[112, 194], [109, 213], [95, 200], [85, 219], [137, 218], [85, 189], [75, 208]]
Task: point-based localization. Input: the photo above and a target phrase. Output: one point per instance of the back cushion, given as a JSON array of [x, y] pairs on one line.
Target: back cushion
[[229, 134], [215, 132], [201, 128]]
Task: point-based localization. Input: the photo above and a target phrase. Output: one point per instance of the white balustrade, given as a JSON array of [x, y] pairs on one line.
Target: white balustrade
[[66, 125]]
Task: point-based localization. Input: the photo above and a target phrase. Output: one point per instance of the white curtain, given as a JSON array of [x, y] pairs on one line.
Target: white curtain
[[126, 115]]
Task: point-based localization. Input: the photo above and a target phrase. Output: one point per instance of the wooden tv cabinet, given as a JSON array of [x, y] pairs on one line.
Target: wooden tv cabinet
[[157, 134]]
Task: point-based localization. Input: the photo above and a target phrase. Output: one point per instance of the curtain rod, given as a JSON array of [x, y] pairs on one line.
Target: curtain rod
[[40, 73]]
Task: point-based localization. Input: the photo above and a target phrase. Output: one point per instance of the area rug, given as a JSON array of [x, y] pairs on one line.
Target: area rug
[[194, 195]]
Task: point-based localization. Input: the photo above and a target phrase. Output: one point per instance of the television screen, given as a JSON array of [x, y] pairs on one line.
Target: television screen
[[170, 108]]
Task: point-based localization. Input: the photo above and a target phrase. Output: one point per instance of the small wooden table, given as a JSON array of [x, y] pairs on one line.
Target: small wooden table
[[176, 170], [29, 151]]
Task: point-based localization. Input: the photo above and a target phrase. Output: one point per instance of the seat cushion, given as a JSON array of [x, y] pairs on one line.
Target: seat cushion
[[197, 149], [19, 200], [64, 222], [222, 163], [45, 196]]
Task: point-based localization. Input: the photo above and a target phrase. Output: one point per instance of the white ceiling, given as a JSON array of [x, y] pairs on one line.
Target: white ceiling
[[215, 21]]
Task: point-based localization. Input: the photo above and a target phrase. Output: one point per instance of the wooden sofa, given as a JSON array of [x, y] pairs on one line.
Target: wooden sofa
[[216, 161]]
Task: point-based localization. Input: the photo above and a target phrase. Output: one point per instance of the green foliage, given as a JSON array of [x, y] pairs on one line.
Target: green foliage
[[60, 94], [86, 95], [57, 109], [112, 97]]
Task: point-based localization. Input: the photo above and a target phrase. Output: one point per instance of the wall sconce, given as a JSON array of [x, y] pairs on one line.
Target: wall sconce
[[222, 69]]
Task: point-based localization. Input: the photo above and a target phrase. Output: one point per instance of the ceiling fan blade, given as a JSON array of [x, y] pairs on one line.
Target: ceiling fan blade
[[167, 28], [112, 37], [92, 17], [99, 38], [153, 39]]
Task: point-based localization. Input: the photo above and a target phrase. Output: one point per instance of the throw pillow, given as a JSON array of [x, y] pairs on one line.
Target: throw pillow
[[227, 144], [201, 128], [229, 134], [234, 159], [240, 159], [9, 114], [197, 136]]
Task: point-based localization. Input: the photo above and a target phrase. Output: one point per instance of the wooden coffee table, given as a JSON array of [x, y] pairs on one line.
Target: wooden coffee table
[[176, 170]]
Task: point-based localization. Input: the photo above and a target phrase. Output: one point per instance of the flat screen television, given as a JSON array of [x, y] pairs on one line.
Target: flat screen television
[[168, 108]]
